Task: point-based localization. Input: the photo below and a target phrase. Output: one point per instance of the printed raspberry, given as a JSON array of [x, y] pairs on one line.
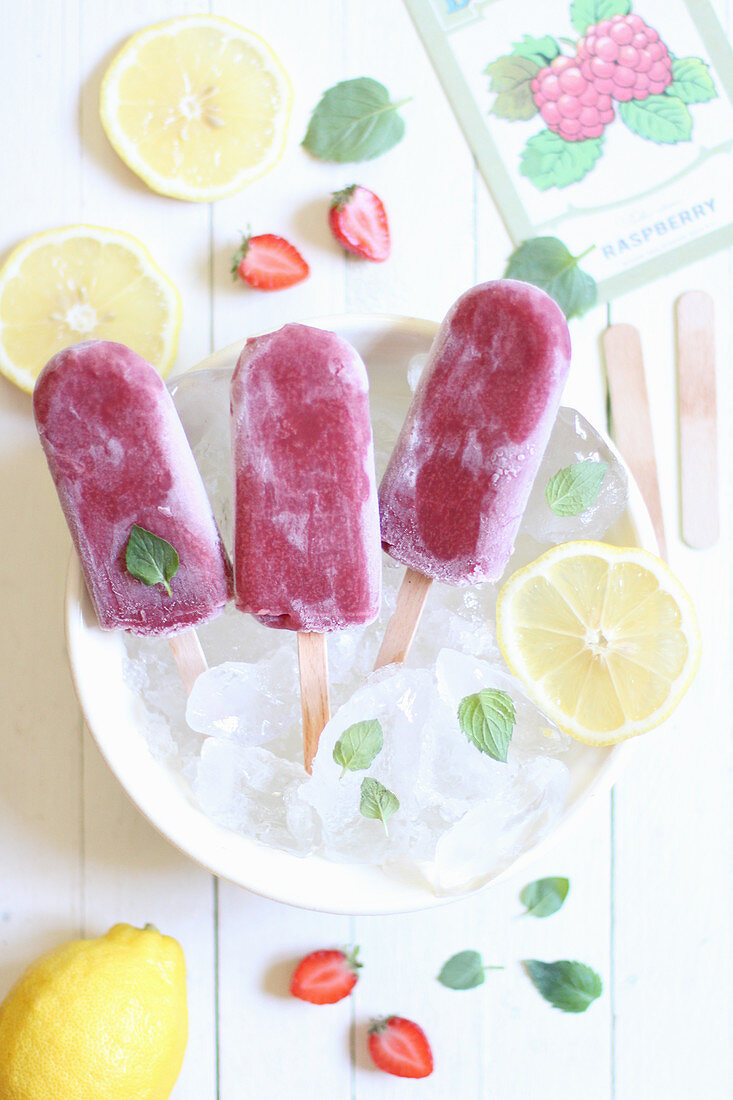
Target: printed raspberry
[[570, 103], [625, 58]]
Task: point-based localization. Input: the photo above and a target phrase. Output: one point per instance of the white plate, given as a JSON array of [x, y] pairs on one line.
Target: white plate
[[115, 715]]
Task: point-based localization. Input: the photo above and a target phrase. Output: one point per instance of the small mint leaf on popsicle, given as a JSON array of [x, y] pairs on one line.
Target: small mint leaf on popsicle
[[546, 262], [151, 559], [487, 719], [354, 120], [573, 489], [358, 746], [377, 802]]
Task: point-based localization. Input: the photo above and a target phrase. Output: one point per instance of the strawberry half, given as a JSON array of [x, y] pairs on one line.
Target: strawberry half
[[324, 977], [358, 221], [400, 1047], [269, 262]]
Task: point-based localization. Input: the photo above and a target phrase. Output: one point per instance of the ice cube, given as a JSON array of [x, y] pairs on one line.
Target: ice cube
[[415, 368], [244, 703], [574, 440]]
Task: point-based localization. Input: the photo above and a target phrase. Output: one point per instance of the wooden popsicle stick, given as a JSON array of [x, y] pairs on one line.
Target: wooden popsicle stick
[[189, 657], [403, 625], [314, 702], [698, 419], [632, 424]]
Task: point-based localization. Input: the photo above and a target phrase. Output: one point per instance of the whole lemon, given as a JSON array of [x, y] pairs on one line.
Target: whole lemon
[[103, 1019]]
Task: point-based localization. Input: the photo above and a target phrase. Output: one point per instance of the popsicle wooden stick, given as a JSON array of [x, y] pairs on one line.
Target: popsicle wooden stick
[[189, 657], [632, 425], [405, 620], [314, 702], [698, 419]]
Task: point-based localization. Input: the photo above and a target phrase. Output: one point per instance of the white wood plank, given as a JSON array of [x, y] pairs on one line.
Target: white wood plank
[[40, 726]]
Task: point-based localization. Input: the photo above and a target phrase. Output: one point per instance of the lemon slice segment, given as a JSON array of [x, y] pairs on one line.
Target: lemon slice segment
[[604, 638], [83, 282], [197, 106]]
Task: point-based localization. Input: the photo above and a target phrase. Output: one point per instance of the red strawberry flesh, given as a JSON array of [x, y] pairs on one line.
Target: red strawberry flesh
[[400, 1047], [359, 223], [325, 977]]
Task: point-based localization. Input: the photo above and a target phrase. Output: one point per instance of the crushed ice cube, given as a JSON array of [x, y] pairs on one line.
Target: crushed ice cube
[[235, 701], [415, 368], [574, 440]]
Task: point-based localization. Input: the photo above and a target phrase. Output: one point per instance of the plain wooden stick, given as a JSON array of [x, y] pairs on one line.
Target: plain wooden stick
[[632, 425], [314, 702], [698, 419], [189, 657], [402, 626]]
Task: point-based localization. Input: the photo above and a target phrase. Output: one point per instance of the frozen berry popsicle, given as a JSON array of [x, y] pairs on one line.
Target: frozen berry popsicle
[[306, 544], [458, 481], [123, 469]]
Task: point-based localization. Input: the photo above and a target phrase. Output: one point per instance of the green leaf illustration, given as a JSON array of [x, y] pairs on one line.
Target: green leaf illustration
[[569, 986], [150, 559], [550, 161], [355, 120], [511, 82], [663, 119], [571, 490], [544, 896], [487, 719], [691, 81], [585, 12], [539, 50], [546, 262], [358, 745]]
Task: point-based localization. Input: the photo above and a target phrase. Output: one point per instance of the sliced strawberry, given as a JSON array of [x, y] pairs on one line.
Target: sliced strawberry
[[358, 221], [400, 1047], [269, 262], [324, 977]]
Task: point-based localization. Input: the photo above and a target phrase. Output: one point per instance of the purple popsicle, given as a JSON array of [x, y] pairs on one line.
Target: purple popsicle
[[119, 457], [458, 481]]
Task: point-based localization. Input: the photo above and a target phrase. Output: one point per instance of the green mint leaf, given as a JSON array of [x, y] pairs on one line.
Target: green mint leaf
[[377, 802], [663, 119], [487, 719], [691, 81], [550, 161], [511, 82], [151, 559], [355, 120], [571, 490], [545, 262], [539, 50], [569, 986], [544, 896], [358, 745], [465, 970], [583, 13]]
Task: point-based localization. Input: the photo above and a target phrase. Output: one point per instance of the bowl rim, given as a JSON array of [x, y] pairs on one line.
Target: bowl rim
[[209, 851]]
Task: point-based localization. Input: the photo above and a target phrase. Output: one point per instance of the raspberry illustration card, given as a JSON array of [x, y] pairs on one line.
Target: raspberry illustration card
[[608, 123]]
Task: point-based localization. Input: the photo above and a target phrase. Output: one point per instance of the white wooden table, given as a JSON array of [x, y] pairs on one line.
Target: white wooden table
[[650, 902]]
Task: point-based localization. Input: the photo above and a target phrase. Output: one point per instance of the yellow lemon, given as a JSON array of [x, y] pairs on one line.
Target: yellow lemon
[[197, 106], [102, 1019], [83, 282], [604, 638]]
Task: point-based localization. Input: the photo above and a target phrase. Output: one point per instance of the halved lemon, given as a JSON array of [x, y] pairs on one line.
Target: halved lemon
[[197, 106], [604, 638], [83, 282]]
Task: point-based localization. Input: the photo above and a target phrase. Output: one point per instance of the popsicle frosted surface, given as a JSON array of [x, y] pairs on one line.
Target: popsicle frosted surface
[[119, 456], [306, 545], [457, 483]]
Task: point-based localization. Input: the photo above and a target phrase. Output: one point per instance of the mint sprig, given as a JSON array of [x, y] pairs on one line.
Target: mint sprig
[[151, 559], [358, 745], [377, 802], [355, 120], [567, 985], [546, 262], [544, 896], [573, 489], [465, 970], [487, 719]]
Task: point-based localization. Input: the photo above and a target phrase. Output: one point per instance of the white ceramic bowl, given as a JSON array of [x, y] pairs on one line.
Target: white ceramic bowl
[[115, 715]]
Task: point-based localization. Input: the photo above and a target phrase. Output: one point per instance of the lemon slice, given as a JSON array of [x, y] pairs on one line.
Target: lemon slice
[[604, 638], [197, 106], [83, 282]]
